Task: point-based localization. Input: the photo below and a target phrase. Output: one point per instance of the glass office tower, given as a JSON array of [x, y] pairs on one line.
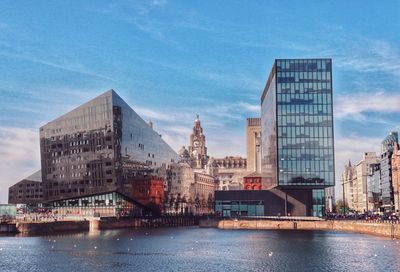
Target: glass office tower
[[297, 128]]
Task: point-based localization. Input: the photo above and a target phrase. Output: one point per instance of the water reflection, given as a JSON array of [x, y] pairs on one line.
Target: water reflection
[[192, 249]]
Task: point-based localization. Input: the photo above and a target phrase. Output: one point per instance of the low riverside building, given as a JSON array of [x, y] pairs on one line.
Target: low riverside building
[[89, 155]]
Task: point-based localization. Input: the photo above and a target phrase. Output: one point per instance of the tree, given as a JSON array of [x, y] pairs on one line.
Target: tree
[[341, 207]]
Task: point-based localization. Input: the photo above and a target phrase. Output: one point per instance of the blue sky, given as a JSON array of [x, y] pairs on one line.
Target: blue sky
[[171, 60]]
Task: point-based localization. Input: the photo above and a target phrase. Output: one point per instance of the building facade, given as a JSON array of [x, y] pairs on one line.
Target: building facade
[[297, 129], [253, 135], [396, 176], [197, 146], [28, 191], [88, 157], [231, 171]]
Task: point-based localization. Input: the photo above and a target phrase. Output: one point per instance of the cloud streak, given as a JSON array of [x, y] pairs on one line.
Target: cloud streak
[[355, 106]]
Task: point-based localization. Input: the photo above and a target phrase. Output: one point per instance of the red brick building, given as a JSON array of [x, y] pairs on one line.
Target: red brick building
[[252, 182], [396, 176], [149, 190]]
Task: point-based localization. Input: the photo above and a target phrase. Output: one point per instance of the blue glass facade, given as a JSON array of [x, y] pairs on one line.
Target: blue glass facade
[[297, 126]]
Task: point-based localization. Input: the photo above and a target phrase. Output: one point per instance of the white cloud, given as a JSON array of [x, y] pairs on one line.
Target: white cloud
[[354, 106], [19, 156]]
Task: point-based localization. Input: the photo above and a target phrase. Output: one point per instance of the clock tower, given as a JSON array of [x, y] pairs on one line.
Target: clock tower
[[197, 146]]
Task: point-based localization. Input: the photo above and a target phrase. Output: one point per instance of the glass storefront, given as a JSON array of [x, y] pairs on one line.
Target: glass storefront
[[110, 204], [228, 208]]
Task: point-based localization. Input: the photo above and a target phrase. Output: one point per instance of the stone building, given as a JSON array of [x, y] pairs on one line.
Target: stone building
[[396, 176], [347, 185], [231, 171], [191, 189], [253, 135], [197, 146]]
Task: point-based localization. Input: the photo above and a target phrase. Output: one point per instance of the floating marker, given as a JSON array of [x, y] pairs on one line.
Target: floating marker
[[52, 246], [74, 245], [95, 247], [131, 239], [20, 247], [270, 254], [375, 255], [117, 239]]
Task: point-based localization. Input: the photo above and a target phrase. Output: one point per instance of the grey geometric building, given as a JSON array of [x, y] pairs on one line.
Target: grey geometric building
[[89, 154], [28, 191], [297, 130]]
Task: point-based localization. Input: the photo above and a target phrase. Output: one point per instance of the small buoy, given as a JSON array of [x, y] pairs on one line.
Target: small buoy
[[20, 247], [172, 237], [131, 239], [52, 246], [54, 241], [1, 249], [375, 255], [74, 245], [192, 248], [117, 239], [95, 247], [270, 254], [384, 245]]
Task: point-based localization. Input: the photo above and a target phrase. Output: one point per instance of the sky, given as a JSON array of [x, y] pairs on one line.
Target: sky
[[171, 60]]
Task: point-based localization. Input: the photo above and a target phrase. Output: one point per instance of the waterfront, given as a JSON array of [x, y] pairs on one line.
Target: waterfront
[[194, 249]]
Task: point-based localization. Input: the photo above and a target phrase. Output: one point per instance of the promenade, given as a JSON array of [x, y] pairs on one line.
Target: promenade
[[389, 229]]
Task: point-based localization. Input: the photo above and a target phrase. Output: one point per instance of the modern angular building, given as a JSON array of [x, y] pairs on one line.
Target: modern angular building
[[91, 155], [297, 132]]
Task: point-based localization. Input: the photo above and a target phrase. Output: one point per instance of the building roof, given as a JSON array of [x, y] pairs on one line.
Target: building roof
[[37, 176], [253, 175]]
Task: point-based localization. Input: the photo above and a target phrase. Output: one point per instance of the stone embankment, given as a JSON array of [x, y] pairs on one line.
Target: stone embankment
[[45, 228], [381, 229]]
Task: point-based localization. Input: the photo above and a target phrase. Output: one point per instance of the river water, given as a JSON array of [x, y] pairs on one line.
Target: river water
[[194, 249]]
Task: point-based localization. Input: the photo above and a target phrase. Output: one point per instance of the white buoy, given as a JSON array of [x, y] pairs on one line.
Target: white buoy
[[270, 254], [54, 241], [95, 247], [1, 249], [172, 237], [131, 239], [192, 248], [375, 255], [74, 245], [117, 239], [52, 246], [20, 247]]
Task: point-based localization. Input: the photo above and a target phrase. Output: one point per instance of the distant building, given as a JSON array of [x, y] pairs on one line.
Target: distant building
[[253, 133], [252, 182], [231, 171], [362, 171], [374, 187], [387, 147], [396, 176], [197, 146], [27, 191], [347, 185]]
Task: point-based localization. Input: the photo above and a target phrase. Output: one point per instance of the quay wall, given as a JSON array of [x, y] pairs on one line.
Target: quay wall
[[96, 224], [372, 228]]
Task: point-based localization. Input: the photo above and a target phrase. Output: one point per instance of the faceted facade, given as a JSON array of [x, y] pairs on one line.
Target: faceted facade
[[93, 150], [297, 127], [27, 191]]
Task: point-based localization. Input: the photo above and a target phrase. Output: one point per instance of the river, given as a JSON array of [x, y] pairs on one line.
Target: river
[[194, 249]]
